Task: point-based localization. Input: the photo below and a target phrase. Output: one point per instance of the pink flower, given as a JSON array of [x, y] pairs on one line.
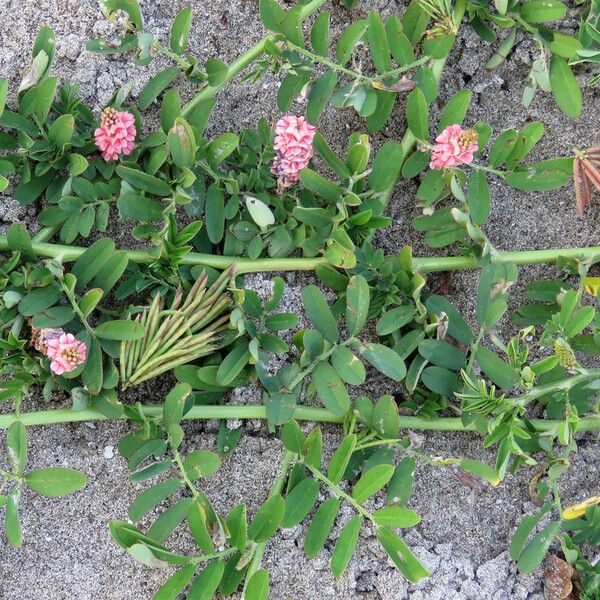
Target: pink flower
[[116, 133], [65, 352], [293, 145], [453, 147]]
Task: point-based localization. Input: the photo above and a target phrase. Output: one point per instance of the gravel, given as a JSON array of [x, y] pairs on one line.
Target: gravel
[[464, 533]]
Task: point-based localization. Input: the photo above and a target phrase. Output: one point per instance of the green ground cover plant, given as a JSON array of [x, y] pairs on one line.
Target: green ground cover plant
[[85, 319]]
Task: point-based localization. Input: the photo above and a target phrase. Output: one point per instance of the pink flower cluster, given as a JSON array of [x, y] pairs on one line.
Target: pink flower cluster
[[293, 144], [65, 352], [116, 133], [453, 147]]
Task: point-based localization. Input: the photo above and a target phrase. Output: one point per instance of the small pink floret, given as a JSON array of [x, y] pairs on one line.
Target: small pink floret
[[293, 145], [116, 133], [66, 353], [455, 146]]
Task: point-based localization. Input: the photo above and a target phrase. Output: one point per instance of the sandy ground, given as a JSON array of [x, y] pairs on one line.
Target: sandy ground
[[68, 552]]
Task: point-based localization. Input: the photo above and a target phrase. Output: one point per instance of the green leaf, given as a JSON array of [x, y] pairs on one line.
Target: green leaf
[[26, 192], [221, 147], [174, 405], [45, 92], [92, 373], [155, 86], [319, 35], [481, 470], [271, 15], [542, 11], [378, 43], [357, 304], [217, 71], [385, 360], [206, 584], [320, 93], [39, 299], [197, 522], [348, 40], [267, 519], [417, 115], [12, 525], [400, 46], [441, 381], [300, 501], [349, 368], [257, 587], [385, 418], [385, 106], [292, 437], [19, 240], [55, 481], [533, 554], [167, 522], [331, 389], [501, 373], [171, 589], [320, 314], [321, 186], [111, 272], [16, 441], [396, 516], [232, 365], [136, 207], [340, 459], [478, 197], [525, 527], [90, 263], [61, 131], [237, 526], [182, 144], [565, 88], [152, 497], [201, 463], [503, 147], [394, 319], [406, 562], [180, 31], [320, 527], [143, 181], [120, 330], [542, 176], [344, 547], [214, 213], [3, 94], [386, 167], [443, 354], [371, 482], [400, 485]]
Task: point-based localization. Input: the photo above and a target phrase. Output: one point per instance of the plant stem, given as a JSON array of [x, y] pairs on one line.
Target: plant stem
[[437, 66], [338, 491], [302, 413], [249, 265], [184, 64], [556, 386], [242, 62], [286, 462]]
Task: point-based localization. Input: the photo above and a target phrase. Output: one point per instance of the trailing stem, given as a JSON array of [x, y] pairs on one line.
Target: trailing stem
[[263, 265], [302, 413]]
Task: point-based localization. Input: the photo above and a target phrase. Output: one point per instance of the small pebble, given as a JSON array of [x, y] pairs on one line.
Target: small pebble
[[109, 452]]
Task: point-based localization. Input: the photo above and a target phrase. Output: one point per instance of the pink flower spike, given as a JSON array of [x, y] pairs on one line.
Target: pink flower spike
[[455, 146], [293, 145], [66, 353], [116, 133]]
